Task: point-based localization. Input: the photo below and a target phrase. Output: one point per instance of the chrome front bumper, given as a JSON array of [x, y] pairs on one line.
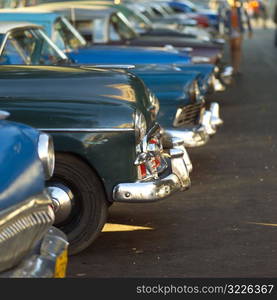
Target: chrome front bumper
[[47, 260], [200, 135], [156, 189]]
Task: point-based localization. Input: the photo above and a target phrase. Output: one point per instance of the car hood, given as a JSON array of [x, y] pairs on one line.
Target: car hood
[[128, 55], [168, 85], [75, 92]]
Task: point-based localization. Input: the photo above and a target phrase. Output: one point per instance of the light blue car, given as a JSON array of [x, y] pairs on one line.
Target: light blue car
[[29, 245]]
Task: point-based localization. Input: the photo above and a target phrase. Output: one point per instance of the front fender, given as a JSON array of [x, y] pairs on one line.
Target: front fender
[[21, 169], [110, 155]]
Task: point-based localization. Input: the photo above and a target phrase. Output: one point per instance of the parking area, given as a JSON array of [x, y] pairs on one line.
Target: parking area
[[226, 224]]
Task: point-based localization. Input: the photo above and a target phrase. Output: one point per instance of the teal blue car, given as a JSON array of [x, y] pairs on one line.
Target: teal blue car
[[197, 129]]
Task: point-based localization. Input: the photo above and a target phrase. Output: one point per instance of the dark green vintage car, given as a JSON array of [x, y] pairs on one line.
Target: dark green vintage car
[[107, 142]]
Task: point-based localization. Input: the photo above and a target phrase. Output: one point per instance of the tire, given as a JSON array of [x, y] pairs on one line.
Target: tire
[[89, 205]]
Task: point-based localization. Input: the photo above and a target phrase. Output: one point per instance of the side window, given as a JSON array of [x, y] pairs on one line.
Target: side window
[[86, 29], [25, 40], [29, 47], [99, 34], [42, 53], [119, 28], [113, 35], [13, 54], [58, 39]]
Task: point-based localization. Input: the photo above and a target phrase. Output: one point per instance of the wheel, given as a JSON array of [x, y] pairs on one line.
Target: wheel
[[79, 201]]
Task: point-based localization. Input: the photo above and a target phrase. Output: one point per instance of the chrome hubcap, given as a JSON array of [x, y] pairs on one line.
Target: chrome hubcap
[[62, 201]]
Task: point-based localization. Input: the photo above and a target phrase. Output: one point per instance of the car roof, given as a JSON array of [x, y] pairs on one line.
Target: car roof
[[43, 15], [5, 27], [74, 5]]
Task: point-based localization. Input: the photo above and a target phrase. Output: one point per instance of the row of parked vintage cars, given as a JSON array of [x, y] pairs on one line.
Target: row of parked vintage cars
[[111, 95]]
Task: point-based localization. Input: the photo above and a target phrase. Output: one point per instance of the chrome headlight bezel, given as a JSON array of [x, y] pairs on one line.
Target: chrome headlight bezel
[[46, 154], [140, 126], [194, 92]]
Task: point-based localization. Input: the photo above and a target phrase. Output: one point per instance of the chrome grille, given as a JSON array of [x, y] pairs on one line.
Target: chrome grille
[[189, 114], [31, 222], [22, 227]]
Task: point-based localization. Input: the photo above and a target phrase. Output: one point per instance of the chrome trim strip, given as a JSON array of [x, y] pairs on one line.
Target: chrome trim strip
[[110, 66], [2, 46], [101, 130]]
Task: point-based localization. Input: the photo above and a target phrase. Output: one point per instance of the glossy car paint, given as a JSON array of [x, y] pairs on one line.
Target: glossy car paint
[[77, 98], [200, 47], [19, 149], [172, 95], [88, 54], [25, 215], [185, 8]]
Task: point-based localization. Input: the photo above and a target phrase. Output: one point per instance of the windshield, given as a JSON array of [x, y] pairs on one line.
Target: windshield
[[139, 22], [66, 37], [30, 47], [120, 28], [159, 11], [168, 9], [93, 30]]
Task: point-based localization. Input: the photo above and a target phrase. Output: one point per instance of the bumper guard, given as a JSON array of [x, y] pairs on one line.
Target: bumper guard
[[156, 189]]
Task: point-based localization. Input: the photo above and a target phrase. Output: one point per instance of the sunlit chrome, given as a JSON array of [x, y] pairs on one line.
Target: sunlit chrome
[[127, 67], [219, 41], [199, 135], [4, 114], [62, 198], [154, 190], [140, 126], [100, 130], [187, 49], [147, 151], [188, 114], [194, 92], [178, 143], [218, 85], [21, 226], [200, 59], [155, 105], [171, 48], [226, 75], [195, 137], [215, 117], [46, 154], [42, 264]]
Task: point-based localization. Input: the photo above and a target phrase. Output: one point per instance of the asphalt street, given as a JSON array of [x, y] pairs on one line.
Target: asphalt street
[[226, 224]]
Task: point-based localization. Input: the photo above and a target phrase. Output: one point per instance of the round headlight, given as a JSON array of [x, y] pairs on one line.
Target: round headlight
[[46, 154], [140, 126]]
